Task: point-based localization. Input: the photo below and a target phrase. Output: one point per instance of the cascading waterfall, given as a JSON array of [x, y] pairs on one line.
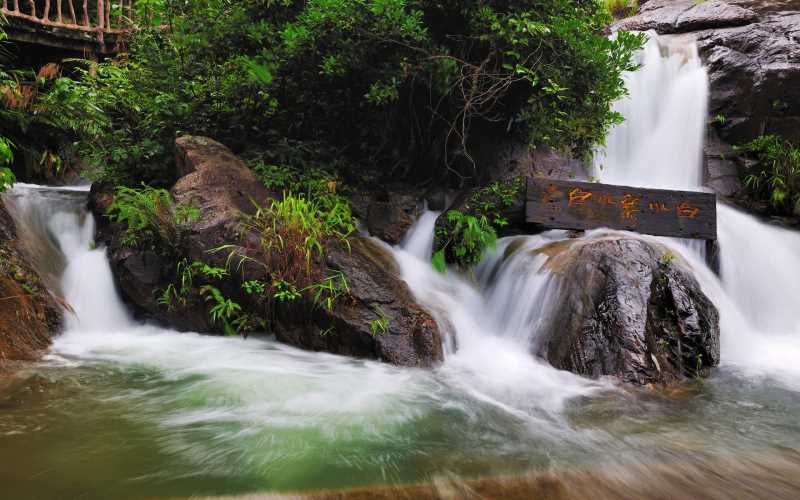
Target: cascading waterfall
[[660, 145], [138, 411]]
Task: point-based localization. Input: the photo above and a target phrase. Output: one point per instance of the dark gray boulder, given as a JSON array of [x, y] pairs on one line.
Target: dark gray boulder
[[627, 308], [376, 291]]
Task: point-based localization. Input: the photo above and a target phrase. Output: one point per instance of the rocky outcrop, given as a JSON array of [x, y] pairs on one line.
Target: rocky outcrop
[[627, 308], [218, 184], [376, 293], [29, 314], [376, 318], [752, 51]]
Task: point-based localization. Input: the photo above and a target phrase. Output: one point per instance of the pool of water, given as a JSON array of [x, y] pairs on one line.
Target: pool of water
[[151, 413]]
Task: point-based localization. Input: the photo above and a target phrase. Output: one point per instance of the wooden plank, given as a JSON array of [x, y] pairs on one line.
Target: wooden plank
[[557, 204]]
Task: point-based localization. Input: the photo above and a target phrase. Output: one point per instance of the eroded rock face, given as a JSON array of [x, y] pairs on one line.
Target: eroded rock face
[[627, 309], [29, 315]]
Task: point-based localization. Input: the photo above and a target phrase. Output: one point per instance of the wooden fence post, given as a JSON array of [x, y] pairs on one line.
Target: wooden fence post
[[101, 14], [72, 12]]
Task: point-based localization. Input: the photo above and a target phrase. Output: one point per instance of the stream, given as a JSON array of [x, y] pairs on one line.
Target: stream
[[125, 410]]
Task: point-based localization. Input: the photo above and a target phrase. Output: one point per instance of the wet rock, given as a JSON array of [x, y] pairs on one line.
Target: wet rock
[[29, 313], [722, 167], [377, 318], [222, 188], [387, 213], [141, 274], [681, 16], [410, 336], [630, 309]]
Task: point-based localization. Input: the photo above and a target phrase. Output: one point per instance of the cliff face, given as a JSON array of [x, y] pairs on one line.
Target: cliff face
[[752, 51]]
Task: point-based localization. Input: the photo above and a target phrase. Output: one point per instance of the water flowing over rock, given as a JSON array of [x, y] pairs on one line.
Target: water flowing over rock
[[628, 308], [752, 52], [29, 314]]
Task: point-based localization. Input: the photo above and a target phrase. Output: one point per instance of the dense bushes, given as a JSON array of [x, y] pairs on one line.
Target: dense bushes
[[381, 87]]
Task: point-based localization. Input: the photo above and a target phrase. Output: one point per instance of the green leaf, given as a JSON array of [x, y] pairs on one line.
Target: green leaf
[[438, 261]]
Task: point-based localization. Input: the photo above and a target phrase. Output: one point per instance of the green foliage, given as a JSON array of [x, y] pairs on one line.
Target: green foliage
[[777, 179], [7, 178], [380, 324], [150, 215], [392, 86], [294, 233], [327, 291], [285, 291], [667, 259], [468, 238], [223, 310], [466, 233]]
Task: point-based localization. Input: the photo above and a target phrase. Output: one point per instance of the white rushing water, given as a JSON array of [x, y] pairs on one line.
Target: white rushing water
[[660, 145]]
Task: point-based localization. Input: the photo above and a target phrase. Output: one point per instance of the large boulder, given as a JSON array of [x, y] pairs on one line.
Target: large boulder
[[409, 335], [377, 318], [629, 308], [223, 190], [29, 314], [218, 184]]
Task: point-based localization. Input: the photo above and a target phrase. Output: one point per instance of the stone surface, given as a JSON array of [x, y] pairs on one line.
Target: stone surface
[[29, 314], [627, 309], [218, 184], [376, 291], [388, 213]]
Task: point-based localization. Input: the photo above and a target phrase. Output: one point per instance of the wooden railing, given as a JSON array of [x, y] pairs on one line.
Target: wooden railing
[[105, 16]]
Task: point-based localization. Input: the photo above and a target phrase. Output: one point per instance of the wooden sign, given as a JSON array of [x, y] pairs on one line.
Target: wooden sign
[[586, 205]]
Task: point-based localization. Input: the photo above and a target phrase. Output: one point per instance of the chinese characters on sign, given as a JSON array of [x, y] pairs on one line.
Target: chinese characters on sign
[[629, 204]]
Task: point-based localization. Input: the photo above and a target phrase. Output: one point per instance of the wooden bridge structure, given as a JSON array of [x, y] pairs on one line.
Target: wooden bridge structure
[[87, 28]]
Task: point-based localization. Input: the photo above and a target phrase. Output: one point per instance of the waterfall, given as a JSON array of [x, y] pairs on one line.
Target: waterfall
[[660, 145]]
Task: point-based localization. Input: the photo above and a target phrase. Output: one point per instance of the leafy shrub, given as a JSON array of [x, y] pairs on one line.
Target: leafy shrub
[[464, 234], [293, 233], [387, 87], [150, 215], [777, 180], [468, 238]]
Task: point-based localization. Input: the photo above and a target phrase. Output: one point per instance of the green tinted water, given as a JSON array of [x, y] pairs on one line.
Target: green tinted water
[[150, 424]]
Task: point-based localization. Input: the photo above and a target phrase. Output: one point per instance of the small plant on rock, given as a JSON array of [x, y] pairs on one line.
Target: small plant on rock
[[149, 214]]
